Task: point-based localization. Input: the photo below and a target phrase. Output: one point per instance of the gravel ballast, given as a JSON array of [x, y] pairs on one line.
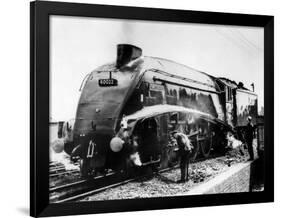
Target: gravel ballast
[[165, 184]]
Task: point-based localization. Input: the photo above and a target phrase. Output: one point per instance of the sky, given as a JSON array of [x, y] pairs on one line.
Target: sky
[[78, 45]]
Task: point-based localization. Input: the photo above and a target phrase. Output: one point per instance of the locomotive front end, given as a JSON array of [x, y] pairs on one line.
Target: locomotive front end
[[99, 110]]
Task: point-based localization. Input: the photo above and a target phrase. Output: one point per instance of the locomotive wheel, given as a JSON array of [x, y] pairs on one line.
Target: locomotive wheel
[[195, 150], [172, 157], [205, 147]]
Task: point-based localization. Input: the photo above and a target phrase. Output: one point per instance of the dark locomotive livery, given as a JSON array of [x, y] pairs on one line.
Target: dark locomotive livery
[[130, 106]]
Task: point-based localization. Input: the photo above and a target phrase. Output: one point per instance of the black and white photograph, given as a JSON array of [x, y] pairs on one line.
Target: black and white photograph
[[140, 108], [152, 109]]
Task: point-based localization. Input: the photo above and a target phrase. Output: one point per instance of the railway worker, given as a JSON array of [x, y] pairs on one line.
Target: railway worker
[[185, 150], [249, 136]]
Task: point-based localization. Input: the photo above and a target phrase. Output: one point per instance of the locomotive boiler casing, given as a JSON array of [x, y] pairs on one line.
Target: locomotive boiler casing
[[147, 81]]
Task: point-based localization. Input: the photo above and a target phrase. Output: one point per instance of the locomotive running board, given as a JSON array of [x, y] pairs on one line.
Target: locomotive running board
[[151, 162]]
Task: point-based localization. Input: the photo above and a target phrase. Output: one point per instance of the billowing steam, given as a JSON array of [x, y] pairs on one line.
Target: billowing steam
[[232, 142], [123, 137], [128, 33], [135, 158]]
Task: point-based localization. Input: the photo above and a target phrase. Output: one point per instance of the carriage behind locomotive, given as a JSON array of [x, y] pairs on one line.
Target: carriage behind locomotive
[[130, 107]]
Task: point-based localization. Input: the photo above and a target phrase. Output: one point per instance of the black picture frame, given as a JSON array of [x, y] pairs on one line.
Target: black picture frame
[[39, 106]]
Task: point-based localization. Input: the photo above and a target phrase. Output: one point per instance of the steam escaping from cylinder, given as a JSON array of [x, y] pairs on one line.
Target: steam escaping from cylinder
[[135, 158], [232, 142]]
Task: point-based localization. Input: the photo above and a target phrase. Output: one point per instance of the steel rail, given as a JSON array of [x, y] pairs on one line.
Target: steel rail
[[116, 184], [69, 185]]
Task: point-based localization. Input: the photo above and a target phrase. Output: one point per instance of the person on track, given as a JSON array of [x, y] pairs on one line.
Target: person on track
[[249, 136], [185, 150]]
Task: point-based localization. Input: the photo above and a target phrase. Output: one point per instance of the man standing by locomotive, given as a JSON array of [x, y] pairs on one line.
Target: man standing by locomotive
[[185, 150], [249, 136]]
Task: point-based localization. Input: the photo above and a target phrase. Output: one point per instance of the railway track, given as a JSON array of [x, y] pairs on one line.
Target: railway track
[[83, 188], [94, 191], [64, 173], [58, 169], [78, 189], [86, 187]]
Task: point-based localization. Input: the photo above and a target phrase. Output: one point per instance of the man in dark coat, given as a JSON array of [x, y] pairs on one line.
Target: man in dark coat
[[185, 150], [249, 136]]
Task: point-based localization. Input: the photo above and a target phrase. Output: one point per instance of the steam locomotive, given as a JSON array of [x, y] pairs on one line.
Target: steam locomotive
[[128, 108]]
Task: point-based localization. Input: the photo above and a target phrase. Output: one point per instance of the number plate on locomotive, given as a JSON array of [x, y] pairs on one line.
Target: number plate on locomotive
[[108, 82]]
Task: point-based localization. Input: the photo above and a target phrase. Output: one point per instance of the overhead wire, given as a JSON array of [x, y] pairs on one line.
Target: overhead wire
[[248, 41], [240, 41], [226, 36]]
